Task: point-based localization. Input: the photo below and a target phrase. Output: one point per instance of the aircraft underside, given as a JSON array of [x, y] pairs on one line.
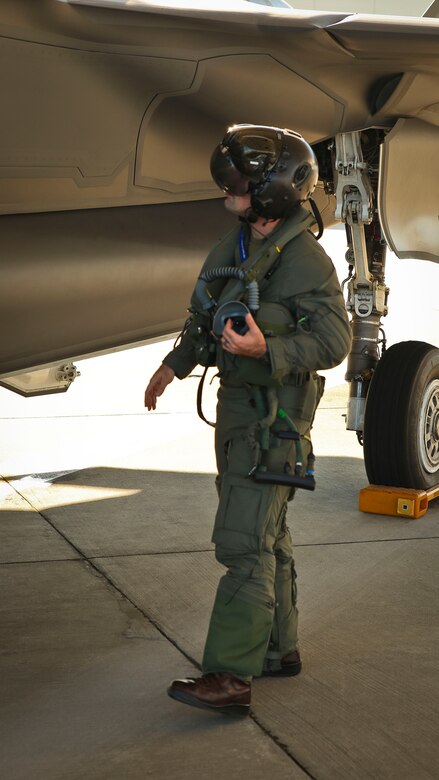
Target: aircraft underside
[[108, 209]]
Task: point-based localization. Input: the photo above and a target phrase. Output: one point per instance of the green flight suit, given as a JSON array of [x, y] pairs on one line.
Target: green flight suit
[[303, 315]]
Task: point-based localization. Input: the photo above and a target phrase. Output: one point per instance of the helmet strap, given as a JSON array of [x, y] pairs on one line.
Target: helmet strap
[[318, 217]]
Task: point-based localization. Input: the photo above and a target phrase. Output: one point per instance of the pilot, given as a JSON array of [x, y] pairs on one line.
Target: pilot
[[298, 325]]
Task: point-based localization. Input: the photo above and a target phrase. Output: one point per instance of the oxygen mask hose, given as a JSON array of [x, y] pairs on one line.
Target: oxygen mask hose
[[234, 310], [253, 296], [224, 272]]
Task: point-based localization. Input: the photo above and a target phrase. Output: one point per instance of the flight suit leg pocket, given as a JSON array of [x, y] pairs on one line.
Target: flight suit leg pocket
[[299, 402], [242, 515]]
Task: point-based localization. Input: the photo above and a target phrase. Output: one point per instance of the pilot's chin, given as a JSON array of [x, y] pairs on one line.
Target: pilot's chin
[[236, 204]]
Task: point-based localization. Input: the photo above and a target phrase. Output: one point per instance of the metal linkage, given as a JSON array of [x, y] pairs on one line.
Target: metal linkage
[[367, 292], [41, 381], [353, 191]]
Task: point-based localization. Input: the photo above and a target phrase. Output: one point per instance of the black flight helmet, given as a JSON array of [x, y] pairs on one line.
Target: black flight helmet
[[277, 167]]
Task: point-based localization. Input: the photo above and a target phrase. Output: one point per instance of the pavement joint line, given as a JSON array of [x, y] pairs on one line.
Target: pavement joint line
[[281, 745], [151, 620], [212, 549], [183, 552], [368, 541], [41, 560], [148, 553]]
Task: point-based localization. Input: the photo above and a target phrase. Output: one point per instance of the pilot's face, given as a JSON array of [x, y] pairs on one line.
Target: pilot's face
[[238, 204]]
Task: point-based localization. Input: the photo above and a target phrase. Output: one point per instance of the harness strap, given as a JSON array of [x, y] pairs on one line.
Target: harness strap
[[259, 264]]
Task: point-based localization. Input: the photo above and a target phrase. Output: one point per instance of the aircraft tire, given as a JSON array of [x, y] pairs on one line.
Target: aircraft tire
[[401, 425]]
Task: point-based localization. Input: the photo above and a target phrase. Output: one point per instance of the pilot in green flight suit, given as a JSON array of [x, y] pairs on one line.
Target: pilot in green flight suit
[[267, 366]]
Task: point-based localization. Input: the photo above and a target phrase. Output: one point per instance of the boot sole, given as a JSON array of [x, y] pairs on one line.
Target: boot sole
[[285, 672], [237, 710]]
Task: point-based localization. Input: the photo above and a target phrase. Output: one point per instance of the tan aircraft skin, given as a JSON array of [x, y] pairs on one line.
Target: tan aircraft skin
[[109, 118]]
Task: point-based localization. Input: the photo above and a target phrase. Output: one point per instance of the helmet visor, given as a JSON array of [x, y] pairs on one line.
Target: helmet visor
[[225, 174]]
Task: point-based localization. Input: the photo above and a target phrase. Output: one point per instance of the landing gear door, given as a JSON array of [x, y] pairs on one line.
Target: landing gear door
[[408, 199]]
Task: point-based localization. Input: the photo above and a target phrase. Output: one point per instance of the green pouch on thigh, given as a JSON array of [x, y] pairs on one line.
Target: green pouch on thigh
[[242, 514]]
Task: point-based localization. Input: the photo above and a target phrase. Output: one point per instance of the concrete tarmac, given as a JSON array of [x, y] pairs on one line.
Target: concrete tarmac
[[108, 577]]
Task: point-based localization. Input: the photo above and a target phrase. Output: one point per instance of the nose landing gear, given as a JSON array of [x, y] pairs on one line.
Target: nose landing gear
[[394, 396]]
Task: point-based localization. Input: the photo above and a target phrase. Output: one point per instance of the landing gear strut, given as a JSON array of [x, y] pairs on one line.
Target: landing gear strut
[[394, 395]]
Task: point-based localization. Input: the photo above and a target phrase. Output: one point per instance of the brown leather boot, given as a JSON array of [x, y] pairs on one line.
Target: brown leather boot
[[218, 691], [290, 665]]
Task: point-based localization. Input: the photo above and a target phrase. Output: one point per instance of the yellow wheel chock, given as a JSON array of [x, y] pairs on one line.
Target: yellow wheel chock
[[396, 501]]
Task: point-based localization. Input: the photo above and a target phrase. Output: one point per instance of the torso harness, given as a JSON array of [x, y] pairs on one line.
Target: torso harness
[[212, 318]]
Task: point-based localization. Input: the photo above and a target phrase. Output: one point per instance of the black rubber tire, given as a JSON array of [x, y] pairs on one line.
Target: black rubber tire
[[401, 424]]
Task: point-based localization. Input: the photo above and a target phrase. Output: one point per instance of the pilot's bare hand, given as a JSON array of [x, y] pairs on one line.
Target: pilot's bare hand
[[157, 384], [251, 344]]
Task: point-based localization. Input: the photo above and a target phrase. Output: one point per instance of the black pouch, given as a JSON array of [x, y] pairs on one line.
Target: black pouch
[[200, 332]]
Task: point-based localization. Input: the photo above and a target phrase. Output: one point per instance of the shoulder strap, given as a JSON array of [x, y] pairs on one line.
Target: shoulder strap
[[258, 265]]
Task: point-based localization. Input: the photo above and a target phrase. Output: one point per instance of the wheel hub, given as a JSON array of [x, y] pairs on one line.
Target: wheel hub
[[429, 428]]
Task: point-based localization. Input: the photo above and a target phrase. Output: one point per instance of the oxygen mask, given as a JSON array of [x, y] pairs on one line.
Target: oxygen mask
[[234, 311]]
